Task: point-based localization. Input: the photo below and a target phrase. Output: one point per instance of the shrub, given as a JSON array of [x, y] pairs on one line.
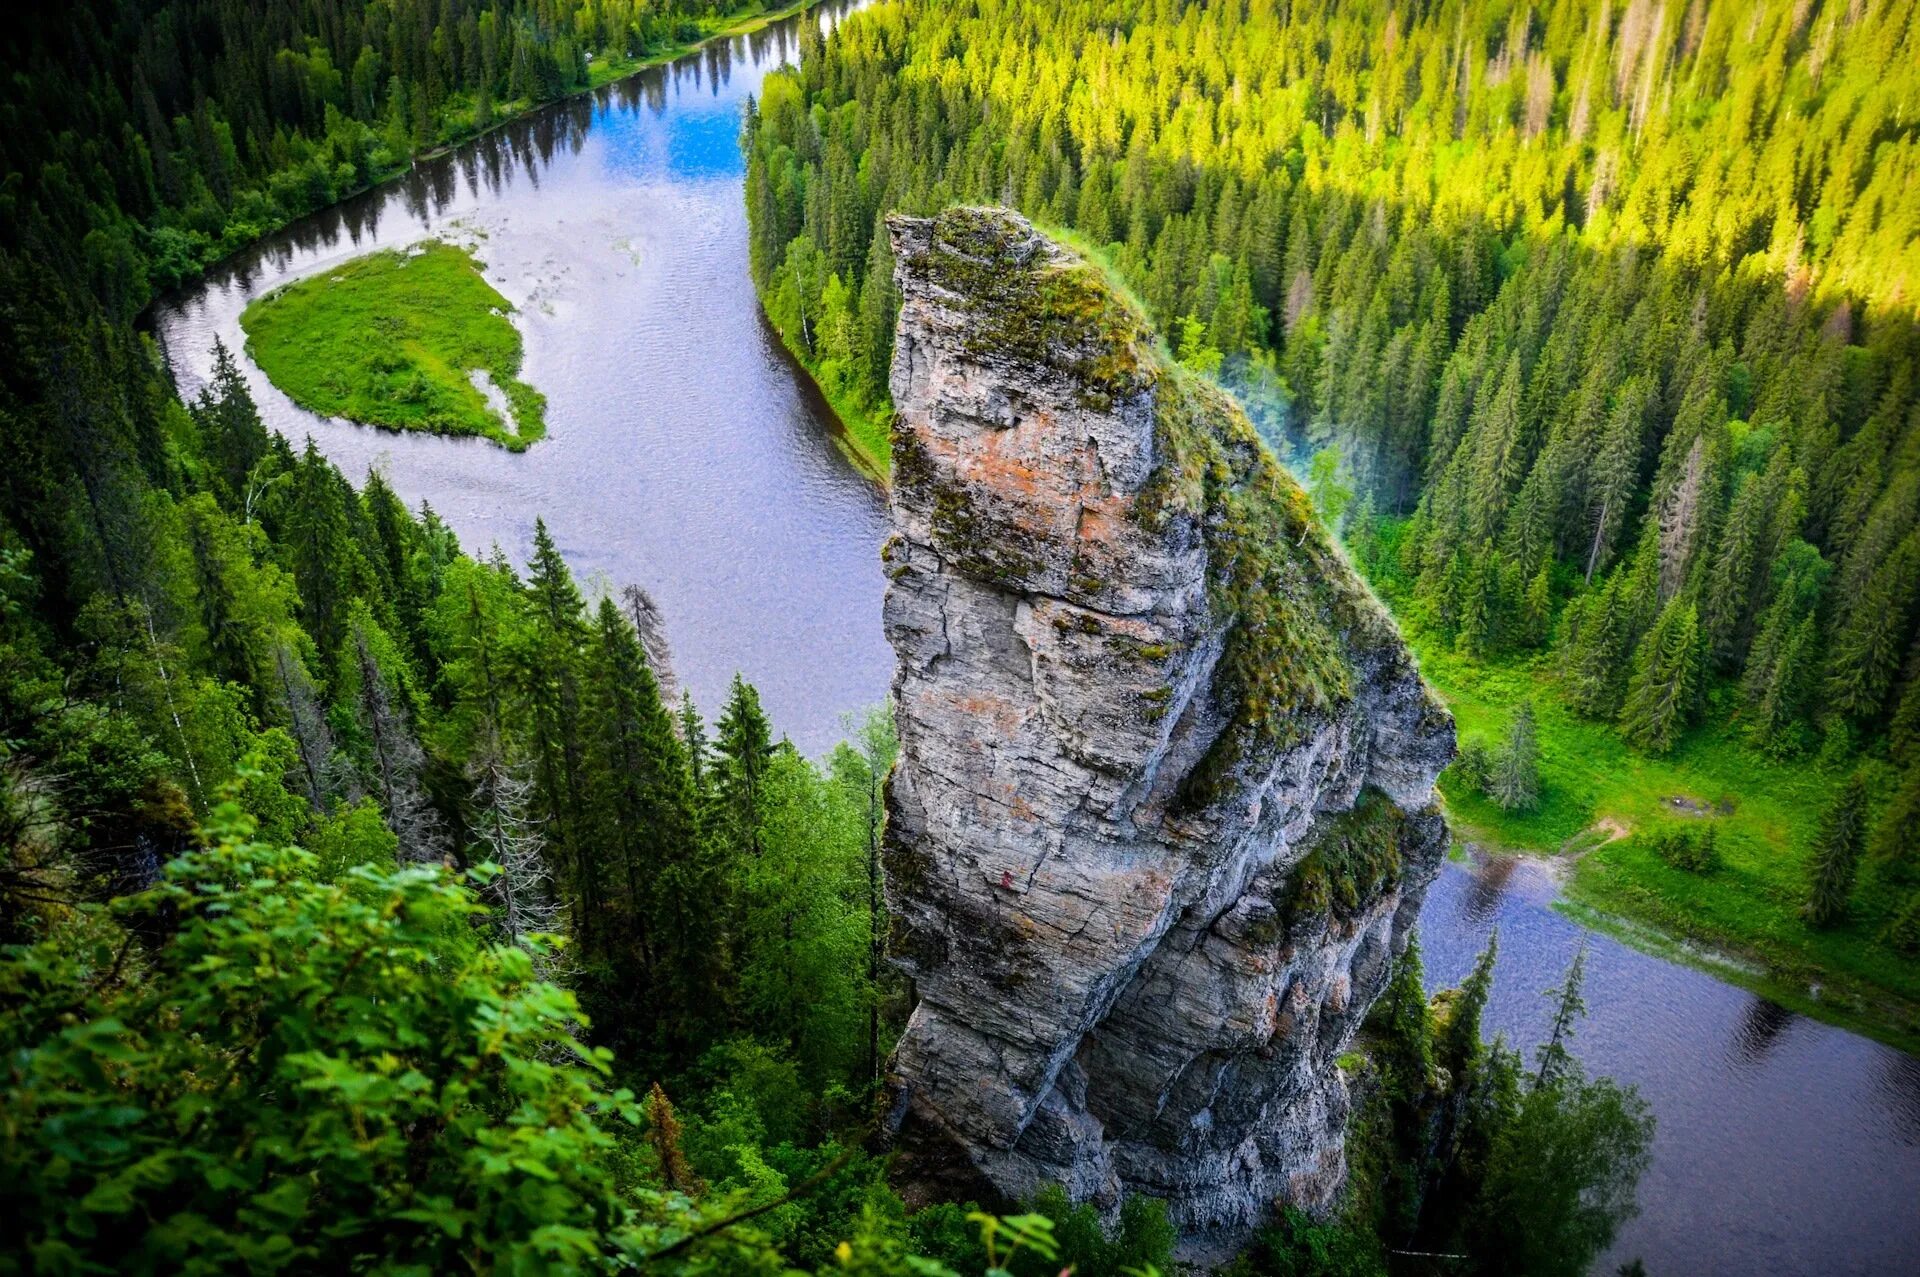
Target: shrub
[[1694, 851]]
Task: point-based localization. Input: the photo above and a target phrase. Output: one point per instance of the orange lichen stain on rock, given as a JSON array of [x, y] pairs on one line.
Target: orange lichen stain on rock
[[1003, 713], [1099, 526], [1008, 472]]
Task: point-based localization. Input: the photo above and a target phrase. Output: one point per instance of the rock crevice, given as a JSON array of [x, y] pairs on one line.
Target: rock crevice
[[1164, 808]]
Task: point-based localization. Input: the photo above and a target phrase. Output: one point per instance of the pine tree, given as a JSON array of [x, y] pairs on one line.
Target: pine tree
[[1835, 857], [1661, 693]]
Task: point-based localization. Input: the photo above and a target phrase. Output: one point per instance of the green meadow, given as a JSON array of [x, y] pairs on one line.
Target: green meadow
[[1600, 803], [398, 339]]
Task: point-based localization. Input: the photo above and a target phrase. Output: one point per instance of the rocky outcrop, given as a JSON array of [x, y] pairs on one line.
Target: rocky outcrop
[[1164, 809]]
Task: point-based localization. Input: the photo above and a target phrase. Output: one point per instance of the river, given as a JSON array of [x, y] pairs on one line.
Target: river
[[686, 455]]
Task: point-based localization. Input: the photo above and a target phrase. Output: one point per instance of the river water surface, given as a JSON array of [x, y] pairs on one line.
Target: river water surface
[[687, 456]]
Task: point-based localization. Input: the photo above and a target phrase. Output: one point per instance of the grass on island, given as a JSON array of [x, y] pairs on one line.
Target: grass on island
[[1600, 801], [398, 339]]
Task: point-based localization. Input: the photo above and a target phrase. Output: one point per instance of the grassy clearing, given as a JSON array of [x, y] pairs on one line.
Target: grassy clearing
[[396, 339], [1601, 799]]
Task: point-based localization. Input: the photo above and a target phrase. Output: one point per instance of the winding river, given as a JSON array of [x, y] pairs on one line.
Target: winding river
[[687, 455]]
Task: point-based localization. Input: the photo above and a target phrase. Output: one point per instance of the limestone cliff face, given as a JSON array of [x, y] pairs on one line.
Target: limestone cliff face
[[1164, 808]]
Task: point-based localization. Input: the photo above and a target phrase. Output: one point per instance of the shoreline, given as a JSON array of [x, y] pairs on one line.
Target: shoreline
[[739, 25], [1868, 1010], [854, 445]]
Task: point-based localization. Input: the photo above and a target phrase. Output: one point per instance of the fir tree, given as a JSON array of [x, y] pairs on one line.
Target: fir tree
[[1661, 693], [1896, 838], [1835, 856], [1515, 781]]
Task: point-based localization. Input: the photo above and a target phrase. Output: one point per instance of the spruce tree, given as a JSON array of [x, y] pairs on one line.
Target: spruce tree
[[1661, 692], [1903, 933], [1835, 857], [319, 546], [230, 429], [393, 763], [1598, 638], [1555, 1056], [1515, 782], [547, 661], [1459, 1045], [1869, 641], [645, 828], [1895, 848], [745, 743], [1903, 732], [1536, 609]]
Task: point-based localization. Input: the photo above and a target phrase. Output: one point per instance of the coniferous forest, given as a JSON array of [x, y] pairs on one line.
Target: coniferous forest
[[1595, 323], [373, 903]]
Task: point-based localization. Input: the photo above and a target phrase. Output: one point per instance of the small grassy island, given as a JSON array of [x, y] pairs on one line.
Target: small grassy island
[[406, 339]]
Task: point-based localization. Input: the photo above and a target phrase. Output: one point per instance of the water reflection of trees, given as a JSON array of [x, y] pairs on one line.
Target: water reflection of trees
[[1896, 1084], [1762, 1023], [523, 147], [1486, 884]]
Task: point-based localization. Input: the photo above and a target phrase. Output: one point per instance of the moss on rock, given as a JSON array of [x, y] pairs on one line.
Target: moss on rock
[[1355, 861], [1037, 303]]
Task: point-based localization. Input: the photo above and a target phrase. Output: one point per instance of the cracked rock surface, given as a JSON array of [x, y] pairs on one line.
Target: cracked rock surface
[[1164, 809]]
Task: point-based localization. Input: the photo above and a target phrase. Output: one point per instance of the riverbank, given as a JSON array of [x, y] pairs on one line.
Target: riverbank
[[865, 434], [1601, 801], [456, 128]]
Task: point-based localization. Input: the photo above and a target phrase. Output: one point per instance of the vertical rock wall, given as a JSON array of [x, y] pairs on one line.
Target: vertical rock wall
[[1164, 808]]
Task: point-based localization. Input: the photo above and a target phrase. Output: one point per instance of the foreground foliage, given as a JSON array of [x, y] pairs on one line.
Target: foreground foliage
[[1464, 1156]]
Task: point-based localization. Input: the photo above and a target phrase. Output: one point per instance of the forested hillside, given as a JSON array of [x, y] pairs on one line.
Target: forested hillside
[[1607, 311], [147, 140]]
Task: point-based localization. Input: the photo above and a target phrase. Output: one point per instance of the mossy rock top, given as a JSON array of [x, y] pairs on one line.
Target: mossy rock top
[[1298, 621], [1035, 301]]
